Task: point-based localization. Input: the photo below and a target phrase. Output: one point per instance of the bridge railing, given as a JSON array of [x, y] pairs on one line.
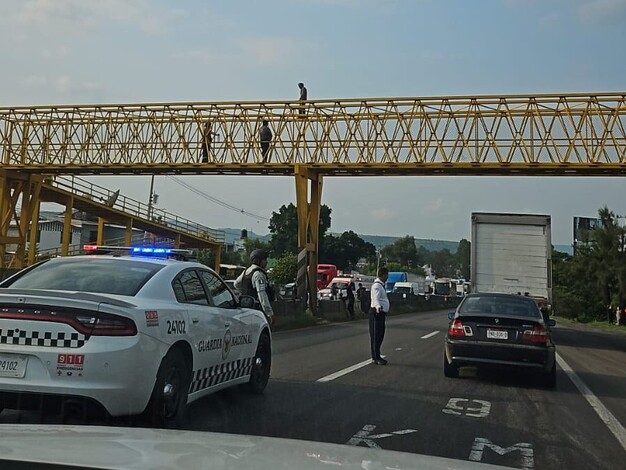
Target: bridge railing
[[559, 128], [132, 207]]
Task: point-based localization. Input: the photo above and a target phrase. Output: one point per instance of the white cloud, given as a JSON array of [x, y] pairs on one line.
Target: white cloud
[[36, 81], [86, 16], [271, 51], [383, 214], [593, 11]]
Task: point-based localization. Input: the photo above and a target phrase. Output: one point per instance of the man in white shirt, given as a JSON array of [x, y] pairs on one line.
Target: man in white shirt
[[378, 311]]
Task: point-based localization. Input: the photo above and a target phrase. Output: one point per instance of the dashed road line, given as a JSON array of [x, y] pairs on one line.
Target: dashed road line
[[345, 371], [430, 335]]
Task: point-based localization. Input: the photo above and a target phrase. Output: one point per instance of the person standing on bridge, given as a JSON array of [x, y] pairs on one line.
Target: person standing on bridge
[[207, 139], [265, 136], [254, 283], [303, 97], [378, 311]]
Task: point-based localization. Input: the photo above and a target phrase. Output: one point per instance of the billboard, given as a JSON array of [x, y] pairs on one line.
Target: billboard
[[583, 228]]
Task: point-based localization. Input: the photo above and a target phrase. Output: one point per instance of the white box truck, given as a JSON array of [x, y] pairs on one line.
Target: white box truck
[[512, 254]]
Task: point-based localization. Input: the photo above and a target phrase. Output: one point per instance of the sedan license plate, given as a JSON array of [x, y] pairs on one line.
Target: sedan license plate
[[497, 334], [12, 365]]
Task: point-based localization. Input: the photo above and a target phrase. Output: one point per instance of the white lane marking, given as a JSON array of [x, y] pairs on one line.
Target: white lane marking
[[364, 436], [457, 406], [430, 335], [526, 449], [345, 371], [602, 411]]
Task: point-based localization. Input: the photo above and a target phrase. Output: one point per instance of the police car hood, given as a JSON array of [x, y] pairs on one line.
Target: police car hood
[[137, 448]]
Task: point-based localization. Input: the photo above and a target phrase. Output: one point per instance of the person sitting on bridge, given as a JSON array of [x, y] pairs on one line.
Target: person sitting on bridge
[[265, 136]]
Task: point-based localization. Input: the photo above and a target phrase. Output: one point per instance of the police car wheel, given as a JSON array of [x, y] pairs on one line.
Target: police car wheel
[[261, 365], [166, 407]]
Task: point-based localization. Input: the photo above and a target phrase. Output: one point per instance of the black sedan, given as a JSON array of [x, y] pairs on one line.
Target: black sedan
[[500, 330]]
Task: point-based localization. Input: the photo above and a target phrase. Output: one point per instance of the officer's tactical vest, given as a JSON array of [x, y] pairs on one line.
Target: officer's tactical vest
[[247, 287]]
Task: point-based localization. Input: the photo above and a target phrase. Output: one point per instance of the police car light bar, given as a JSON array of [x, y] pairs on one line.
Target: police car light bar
[[138, 250]]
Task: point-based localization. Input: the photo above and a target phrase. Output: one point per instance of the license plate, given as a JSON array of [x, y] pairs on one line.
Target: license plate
[[497, 334], [12, 365]]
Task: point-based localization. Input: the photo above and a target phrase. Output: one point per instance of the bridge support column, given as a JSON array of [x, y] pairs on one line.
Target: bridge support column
[[218, 257], [100, 236], [67, 227], [34, 234], [177, 241], [13, 188], [128, 234], [308, 229]]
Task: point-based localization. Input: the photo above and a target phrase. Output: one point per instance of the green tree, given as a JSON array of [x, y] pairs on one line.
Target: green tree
[[285, 269], [345, 250], [251, 244], [284, 228], [207, 257], [402, 251], [463, 255]]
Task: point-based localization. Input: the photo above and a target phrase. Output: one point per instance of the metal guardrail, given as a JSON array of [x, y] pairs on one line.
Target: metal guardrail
[[115, 200]]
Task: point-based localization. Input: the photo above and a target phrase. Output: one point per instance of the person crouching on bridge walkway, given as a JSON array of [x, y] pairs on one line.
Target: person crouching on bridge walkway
[[253, 282], [378, 311], [265, 136]]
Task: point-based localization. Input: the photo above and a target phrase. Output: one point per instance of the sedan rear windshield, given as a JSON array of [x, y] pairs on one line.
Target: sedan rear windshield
[[500, 306], [101, 276]]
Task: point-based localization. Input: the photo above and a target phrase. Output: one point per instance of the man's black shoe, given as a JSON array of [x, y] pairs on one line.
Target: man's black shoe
[[380, 362]]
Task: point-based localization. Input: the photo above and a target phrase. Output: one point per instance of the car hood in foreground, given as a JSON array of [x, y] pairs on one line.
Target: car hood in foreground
[[138, 448]]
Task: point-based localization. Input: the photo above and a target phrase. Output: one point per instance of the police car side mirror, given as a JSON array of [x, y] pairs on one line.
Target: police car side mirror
[[245, 301]]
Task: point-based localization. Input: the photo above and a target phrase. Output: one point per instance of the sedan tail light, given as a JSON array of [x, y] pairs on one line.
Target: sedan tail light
[[538, 335], [86, 322], [456, 329]]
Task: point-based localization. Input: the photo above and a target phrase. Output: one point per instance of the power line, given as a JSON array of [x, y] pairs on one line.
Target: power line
[[215, 200]]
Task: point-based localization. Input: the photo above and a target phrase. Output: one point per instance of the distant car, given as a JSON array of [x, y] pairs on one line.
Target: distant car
[[500, 330], [128, 334]]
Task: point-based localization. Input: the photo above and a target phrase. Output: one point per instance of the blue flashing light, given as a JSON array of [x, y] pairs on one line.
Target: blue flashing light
[[147, 250]]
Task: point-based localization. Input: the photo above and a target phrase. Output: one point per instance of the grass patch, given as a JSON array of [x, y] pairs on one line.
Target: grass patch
[[595, 324]]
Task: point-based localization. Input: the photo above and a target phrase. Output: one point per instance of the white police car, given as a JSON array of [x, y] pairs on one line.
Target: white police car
[[133, 334]]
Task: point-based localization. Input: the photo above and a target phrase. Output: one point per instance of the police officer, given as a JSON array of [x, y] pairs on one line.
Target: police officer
[[253, 282], [379, 308]]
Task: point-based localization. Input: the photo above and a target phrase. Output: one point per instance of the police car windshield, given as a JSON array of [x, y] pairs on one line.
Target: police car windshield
[[96, 275]]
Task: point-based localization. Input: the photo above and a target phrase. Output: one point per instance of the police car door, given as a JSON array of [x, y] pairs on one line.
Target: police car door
[[239, 337], [206, 330]]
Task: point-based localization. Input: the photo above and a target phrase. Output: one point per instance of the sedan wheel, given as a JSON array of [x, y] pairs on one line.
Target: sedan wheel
[[449, 369]]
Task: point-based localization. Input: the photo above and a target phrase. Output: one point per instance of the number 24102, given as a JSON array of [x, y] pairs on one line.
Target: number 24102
[[176, 327]]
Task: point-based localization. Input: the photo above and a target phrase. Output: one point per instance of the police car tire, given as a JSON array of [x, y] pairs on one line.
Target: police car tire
[[260, 375], [164, 412]]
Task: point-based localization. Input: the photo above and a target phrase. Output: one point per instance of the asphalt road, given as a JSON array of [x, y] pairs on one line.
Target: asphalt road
[[408, 405]]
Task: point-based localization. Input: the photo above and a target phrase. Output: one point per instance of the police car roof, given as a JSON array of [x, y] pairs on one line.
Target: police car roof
[[127, 258]]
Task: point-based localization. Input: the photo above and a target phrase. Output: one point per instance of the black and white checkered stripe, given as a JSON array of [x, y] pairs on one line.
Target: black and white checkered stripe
[[215, 375], [39, 338]]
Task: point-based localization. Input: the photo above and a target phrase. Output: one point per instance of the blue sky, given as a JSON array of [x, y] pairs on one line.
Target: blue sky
[[78, 51]]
